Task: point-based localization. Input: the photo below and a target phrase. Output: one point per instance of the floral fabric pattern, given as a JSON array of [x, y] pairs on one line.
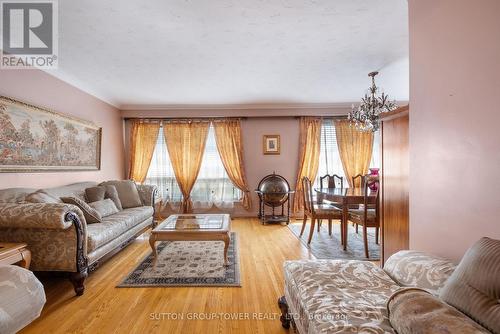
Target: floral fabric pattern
[[419, 269], [338, 296]]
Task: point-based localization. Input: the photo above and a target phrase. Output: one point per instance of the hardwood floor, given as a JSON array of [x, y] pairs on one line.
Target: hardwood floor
[[106, 309]]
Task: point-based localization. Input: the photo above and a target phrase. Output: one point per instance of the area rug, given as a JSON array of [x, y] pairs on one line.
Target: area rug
[[188, 263], [324, 246]]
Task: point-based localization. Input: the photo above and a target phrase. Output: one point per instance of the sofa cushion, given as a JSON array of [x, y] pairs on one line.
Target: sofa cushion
[[14, 195], [338, 296], [41, 196], [114, 225], [474, 287], [91, 215], [419, 269], [127, 192], [70, 190], [95, 194], [106, 207], [414, 310]]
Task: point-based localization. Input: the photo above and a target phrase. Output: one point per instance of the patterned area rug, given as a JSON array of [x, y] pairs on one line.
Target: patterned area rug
[[324, 246], [188, 263]]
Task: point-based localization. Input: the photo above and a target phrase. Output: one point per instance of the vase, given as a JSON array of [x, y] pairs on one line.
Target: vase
[[374, 176]]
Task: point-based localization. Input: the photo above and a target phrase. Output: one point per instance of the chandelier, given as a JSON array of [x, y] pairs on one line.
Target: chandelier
[[366, 117]]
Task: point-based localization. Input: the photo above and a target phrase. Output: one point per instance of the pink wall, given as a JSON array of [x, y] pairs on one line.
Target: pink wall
[[43, 90], [454, 124], [258, 165]]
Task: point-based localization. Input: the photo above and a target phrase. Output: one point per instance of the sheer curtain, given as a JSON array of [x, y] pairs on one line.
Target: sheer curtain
[[355, 149], [329, 159], [310, 135], [212, 187], [230, 147], [143, 138]]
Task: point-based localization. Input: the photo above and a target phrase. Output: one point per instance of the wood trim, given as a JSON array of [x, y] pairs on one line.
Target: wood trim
[[399, 112], [394, 211]]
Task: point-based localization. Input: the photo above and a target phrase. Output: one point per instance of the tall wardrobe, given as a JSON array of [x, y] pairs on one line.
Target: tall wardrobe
[[394, 181]]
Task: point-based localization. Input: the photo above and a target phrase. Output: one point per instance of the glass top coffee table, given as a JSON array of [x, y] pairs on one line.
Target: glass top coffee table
[[193, 227]]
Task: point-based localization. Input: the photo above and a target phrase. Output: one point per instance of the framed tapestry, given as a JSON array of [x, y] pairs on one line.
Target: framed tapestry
[[33, 139]]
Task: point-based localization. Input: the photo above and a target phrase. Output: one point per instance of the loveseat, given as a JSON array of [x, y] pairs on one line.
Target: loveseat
[[414, 293], [59, 235]]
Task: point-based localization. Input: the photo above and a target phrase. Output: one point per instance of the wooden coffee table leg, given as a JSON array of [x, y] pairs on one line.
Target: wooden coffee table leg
[[152, 241], [25, 262], [227, 240]]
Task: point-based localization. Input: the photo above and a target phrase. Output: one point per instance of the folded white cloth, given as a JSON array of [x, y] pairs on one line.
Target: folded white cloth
[[21, 298]]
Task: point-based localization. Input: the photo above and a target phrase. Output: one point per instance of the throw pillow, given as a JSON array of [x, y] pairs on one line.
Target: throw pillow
[[112, 194], [474, 287], [106, 207], [91, 215], [127, 192], [412, 310], [41, 196], [95, 194]]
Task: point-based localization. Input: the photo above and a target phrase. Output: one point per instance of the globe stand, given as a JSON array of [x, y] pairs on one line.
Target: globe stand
[[274, 192]]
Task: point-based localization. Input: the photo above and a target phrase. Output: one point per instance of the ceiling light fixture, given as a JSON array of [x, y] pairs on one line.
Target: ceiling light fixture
[[366, 117]]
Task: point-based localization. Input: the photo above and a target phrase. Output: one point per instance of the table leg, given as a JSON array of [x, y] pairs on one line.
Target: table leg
[[25, 262], [227, 240], [152, 241], [345, 223]]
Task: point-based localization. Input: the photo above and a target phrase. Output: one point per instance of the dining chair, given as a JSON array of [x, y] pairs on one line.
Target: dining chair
[[317, 211], [329, 181], [358, 181], [368, 216]]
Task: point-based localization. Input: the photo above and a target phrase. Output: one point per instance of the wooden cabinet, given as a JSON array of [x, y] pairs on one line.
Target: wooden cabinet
[[394, 182]]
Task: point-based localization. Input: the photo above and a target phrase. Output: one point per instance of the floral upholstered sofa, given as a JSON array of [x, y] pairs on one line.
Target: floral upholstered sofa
[[414, 293], [63, 236]]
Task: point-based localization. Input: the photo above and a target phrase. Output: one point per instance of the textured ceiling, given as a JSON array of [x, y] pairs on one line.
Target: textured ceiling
[[160, 52]]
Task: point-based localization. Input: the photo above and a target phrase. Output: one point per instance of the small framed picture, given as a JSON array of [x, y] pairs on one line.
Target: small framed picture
[[272, 144]]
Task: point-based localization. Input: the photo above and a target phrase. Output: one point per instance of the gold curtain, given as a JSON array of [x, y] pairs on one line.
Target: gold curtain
[[355, 149], [186, 144], [143, 141], [310, 135], [230, 147]]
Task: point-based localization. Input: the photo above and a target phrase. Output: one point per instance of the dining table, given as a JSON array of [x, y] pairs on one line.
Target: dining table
[[346, 197]]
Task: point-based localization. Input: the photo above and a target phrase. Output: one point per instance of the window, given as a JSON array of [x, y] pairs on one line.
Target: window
[[212, 186], [329, 158]]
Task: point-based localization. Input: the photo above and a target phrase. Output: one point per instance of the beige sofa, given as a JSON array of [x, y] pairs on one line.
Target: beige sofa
[[58, 235], [414, 293]]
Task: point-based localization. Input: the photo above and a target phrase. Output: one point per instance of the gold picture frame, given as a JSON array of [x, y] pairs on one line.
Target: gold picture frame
[[271, 144], [33, 139]]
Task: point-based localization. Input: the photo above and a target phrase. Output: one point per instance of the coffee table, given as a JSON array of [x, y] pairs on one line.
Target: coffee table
[[193, 227], [11, 253]]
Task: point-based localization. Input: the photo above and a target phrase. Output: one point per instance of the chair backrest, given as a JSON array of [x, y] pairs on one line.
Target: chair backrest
[[367, 192], [358, 181], [308, 195], [331, 181]]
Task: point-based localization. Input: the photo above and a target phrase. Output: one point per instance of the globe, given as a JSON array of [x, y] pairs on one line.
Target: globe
[[274, 190]]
